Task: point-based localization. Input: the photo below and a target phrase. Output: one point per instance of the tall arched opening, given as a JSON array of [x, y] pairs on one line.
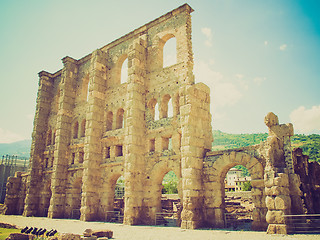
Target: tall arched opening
[[112, 198], [165, 195], [73, 197], [215, 205]]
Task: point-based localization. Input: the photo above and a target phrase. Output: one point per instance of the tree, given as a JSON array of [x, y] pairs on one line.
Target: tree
[[247, 186]]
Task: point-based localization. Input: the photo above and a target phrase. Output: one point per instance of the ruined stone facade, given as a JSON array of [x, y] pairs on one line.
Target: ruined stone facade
[[90, 129]]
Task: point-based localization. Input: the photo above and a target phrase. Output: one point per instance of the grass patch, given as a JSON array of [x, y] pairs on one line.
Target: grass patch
[[5, 232]]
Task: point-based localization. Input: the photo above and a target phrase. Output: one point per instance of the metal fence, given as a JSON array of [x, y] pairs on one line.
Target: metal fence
[[307, 223], [114, 216], [166, 219], [238, 220], [9, 165]]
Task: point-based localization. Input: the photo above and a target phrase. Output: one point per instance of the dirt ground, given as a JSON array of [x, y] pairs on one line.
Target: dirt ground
[[124, 232]]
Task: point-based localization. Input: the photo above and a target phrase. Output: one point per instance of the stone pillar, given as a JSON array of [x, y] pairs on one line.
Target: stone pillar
[[184, 46], [94, 131], [135, 137], [38, 145], [63, 136], [277, 174], [195, 141]]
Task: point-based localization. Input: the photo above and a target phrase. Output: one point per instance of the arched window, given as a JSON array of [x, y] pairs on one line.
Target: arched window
[[119, 123], [156, 112], [124, 71], [164, 106], [109, 121], [170, 108], [83, 128], [85, 88], [152, 105], [54, 137], [49, 137], [169, 51], [75, 130]]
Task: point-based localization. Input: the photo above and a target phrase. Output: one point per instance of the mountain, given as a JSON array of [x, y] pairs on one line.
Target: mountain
[[310, 144], [20, 149]]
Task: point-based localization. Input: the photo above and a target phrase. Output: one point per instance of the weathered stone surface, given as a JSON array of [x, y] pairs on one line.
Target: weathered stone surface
[[275, 216], [87, 233], [69, 236], [103, 233], [20, 236], [90, 128], [277, 229]]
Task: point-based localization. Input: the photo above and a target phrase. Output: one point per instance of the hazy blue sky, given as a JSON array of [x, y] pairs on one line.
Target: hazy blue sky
[[256, 56]]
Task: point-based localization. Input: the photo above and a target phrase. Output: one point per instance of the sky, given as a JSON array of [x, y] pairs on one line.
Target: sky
[[256, 56]]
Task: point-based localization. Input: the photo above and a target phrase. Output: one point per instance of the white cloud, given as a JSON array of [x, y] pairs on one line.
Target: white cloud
[[283, 47], [239, 75], [208, 33], [259, 80], [223, 93], [9, 137], [243, 83], [306, 120]]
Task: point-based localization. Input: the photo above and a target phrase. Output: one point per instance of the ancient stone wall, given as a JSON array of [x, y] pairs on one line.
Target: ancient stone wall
[[90, 128], [308, 173]]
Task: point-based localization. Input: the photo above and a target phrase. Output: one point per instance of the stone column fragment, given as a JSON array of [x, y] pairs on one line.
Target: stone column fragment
[[38, 145], [63, 136]]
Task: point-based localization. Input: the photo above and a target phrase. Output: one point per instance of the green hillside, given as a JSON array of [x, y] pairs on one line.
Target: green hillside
[[309, 143]]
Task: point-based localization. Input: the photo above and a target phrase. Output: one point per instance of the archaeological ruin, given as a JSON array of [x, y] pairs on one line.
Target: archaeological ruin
[[90, 128]]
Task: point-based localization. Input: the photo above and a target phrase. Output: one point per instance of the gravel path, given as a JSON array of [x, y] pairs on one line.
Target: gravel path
[[124, 232]]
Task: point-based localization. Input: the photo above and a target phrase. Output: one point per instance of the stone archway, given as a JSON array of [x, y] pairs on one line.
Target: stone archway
[[73, 196], [154, 186], [107, 196], [214, 188], [44, 202]]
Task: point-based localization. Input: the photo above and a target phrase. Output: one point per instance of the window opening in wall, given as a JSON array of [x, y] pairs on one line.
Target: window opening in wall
[[119, 152], [156, 112], [165, 106], [120, 120], [107, 152], [170, 143], [165, 143], [170, 108], [170, 52], [81, 157], [85, 88], [75, 130], [109, 121], [46, 162], [152, 145], [73, 156], [124, 71], [54, 137], [83, 128], [52, 162], [49, 137]]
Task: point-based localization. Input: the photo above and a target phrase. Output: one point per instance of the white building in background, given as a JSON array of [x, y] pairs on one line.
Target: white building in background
[[234, 180]]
